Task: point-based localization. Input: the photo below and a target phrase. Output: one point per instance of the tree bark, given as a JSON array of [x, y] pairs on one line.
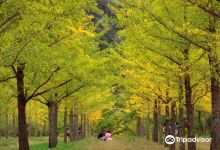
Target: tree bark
[[6, 124], [14, 125], [76, 134], [155, 116], [215, 94], [189, 103], [81, 127], [160, 124], [181, 116], [44, 129], [88, 128], [36, 126], [138, 126], [167, 109], [52, 109], [84, 126], [22, 124], [71, 128], [173, 123], [215, 86], [148, 121], [65, 125]]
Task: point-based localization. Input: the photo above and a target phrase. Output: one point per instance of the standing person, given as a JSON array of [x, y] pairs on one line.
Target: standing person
[[108, 136], [177, 129], [68, 133]]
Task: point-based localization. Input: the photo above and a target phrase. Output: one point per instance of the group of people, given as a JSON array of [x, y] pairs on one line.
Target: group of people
[[167, 128], [105, 136]]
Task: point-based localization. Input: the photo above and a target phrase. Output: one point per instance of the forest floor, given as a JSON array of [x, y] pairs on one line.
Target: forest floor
[[92, 144]]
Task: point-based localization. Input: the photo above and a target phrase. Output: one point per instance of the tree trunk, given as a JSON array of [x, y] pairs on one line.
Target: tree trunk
[[36, 126], [155, 116], [167, 109], [215, 87], [22, 124], [14, 125], [29, 126], [200, 123], [138, 126], [52, 109], [71, 128], [148, 122], [6, 124], [173, 123], [215, 94], [81, 127], [181, 116], [190, 112], [88, 128], [84, 126], [160, 124], [65, 125], [44, 129], [76, 131]]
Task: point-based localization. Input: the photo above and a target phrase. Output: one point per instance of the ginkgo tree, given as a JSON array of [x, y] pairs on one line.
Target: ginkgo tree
[[34, 35]]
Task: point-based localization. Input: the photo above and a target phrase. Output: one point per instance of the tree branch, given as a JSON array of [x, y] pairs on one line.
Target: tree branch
[[206, 9], [44, 83], [8, 78], [56, 41], [72, 92], [9, 21], [169, 28], [47, 90], [205, 93], [38, 100]]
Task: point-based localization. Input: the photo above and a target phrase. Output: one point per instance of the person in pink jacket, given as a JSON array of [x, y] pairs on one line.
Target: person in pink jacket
[[108, 136]]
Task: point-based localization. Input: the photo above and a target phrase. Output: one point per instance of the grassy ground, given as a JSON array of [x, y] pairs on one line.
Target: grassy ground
[[41, 143], [92, 144]]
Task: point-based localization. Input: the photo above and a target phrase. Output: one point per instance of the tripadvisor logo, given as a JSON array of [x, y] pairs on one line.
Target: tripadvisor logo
[[170, 139]]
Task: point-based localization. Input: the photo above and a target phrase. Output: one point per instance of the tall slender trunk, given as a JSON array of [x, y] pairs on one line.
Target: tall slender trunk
[[88, 128], [75, 127], [189, 102], [167, 128], [6, 124], [65, 125], [81, 127], [44, 129], [215, 94], [155, 116], [200, 122], [29, 126], [36, 126], [215, 87], [148, 122], [14, 125], [181, 116], [138, 126], [84, 126], [167, 111], [160, 124], [71, 128], [173, 123], [22, 124], [52, 109]]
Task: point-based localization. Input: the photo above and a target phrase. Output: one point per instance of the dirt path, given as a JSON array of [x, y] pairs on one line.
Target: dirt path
[[133, 144], [124, 144]]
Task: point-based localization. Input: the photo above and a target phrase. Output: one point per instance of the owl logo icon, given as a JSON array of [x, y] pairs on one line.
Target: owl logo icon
[[170, 139]]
